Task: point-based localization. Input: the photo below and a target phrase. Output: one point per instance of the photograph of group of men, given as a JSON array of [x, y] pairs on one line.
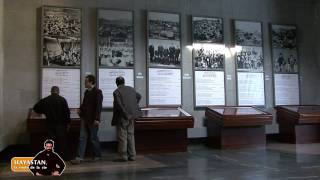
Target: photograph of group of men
[[250, 58], [207, 30], [61, 28], [115, 38], [285, 61], [164, 53], [164, 40], [208, 58]]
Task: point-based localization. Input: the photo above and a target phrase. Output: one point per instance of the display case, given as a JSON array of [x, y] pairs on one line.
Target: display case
[[36, 127], [162, 130], [299, 124], [236, 127]]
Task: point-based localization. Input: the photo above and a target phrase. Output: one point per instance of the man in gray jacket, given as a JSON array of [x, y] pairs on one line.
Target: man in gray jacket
[[125, 111]]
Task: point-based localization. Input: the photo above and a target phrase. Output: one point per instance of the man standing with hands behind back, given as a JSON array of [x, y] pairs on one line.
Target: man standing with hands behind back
[[89, 113], [125, 111]]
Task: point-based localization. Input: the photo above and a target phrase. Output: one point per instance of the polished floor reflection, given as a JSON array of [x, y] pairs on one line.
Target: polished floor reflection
[[277, 161]]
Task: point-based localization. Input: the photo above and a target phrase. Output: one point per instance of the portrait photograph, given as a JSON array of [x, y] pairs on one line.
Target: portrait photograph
[[285, 61]]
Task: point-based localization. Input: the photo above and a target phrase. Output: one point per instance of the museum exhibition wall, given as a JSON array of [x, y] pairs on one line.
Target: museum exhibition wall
[[185, 53]]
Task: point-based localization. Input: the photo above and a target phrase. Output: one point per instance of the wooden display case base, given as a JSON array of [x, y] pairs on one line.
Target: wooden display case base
[[299, 124], [36, 126], [162, 130], [236, 127], [234, 137], [161, 141], [300, 134]]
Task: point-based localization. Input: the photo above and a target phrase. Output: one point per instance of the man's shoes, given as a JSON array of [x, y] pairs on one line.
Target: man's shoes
[[120, 160], [77, 160], [96, 159], [131, 159]]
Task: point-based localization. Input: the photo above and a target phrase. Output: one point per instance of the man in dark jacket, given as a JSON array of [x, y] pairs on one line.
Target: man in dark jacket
[[90, 111], [125, 111], [57, 113], [47, 162]]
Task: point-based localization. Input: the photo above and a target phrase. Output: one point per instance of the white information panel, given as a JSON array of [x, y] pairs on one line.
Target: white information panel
[[107, 82], [68, 81], [164, 86], [286, 89], [209, 88], [250, 89]]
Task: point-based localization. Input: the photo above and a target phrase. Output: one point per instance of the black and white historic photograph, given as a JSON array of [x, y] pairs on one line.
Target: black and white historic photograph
[[208, 58], [284, 37], [61, 40], [164, 26], [250, 58], [115, 38], [285, 61], [164, 53], [207, 30], [248, 33]]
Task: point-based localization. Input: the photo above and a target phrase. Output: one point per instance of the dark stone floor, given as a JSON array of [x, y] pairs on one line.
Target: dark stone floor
[[276, 161]]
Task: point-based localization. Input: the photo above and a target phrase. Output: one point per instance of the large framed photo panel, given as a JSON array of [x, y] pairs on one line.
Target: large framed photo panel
[[68, 81], [207, 30], [164, 48], [285, 64], [115, 39], [164, 87], [209, 88], [61, 31], [249, 59], [107, 83], [208, 56], [61, 37]]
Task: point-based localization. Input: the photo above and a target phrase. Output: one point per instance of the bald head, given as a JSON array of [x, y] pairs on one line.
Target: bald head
[[55, 90]]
